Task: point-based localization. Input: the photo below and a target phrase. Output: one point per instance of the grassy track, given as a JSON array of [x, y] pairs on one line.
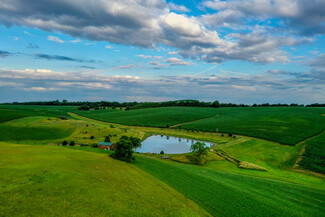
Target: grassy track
[[230, 194], [284, 125], [55, 181]]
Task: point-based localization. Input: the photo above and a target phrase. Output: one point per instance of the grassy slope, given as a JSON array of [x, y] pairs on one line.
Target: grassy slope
[[154, 117], [314, 156], [52, 181], [230, 194], [285, 125]]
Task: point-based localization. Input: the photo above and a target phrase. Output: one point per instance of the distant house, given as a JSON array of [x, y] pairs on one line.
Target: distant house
[[106, 146]]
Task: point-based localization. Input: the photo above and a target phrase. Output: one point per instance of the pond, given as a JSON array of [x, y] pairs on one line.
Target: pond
[[168, 144]]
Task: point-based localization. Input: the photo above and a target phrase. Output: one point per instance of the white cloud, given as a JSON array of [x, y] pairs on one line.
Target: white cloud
[[177, 61], [180, 8], [54, 38], [108, 47], [144, 56]]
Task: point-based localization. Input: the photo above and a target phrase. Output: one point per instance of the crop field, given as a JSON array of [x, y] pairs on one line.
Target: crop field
[[59, 181], [228, 194], [153, 117], [313, 158], [278, 124]]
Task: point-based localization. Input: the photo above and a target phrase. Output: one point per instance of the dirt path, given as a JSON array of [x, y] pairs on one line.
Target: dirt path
[[176, 125]]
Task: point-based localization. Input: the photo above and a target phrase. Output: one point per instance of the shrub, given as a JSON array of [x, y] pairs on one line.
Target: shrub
[[62, 117], [167, 126], [92, 137], [64, 142], [94, 145], [162, 152], [71, 143], [230, 135]]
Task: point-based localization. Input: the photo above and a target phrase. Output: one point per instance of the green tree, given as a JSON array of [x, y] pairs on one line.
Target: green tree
[[216, 104], [124, 149], [199, 151], [64, 142], [72, 143], [107, 139]]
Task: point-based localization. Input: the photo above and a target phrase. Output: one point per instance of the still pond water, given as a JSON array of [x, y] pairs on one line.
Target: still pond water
[[168, 144]]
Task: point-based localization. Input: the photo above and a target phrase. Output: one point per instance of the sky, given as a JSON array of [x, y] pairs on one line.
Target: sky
[[250, 51]]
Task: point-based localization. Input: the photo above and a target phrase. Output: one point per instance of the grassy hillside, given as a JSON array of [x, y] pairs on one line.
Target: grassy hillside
[[313, 158], [154, 117], [285, 125], [10, 112], [54, 181], [230, 194]]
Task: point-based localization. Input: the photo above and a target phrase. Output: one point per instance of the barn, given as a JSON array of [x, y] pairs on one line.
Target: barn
[[106, 146]]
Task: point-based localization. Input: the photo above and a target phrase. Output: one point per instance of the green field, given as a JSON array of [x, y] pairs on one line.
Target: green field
[[230, 194], [285, 125], [85, 181], [314, 156], [53, 181], [151, 117]]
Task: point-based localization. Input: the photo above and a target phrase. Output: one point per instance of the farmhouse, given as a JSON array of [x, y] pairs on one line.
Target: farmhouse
[[106, 146]]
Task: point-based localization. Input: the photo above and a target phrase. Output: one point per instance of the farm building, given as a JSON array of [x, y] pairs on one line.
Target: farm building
[[106, 146]]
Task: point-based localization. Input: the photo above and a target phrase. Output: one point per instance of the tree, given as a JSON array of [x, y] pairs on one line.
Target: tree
[[107, 139], [84, 108], [64, 142], [92, 137], [162, 152], [199, 150], [136, 142], [124, 148], [216, 104], [71, 143]]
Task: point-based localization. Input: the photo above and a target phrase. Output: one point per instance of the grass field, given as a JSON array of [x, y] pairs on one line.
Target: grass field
[[285, 125], [153, 117], [55, 181], [231, 194], [313, 158]]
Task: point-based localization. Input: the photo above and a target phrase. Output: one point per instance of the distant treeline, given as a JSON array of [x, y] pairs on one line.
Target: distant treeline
[[140, 105]]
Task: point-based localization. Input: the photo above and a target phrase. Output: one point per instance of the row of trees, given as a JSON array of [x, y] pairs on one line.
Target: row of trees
[[139, 105]]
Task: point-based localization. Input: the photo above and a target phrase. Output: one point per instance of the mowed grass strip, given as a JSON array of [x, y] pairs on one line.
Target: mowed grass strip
[[54, 181], [286, 125], [230, 194], [153, 117]]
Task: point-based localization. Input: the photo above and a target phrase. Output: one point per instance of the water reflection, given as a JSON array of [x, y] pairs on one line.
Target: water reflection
[[168, 144]]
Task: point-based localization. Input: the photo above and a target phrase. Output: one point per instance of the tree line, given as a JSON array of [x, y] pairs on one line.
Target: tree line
[[139, 105]]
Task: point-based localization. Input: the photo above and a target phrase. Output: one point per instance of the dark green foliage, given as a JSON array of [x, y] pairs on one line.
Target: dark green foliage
[[72, 143], [162, 152], [84, 108], [229, 134], [92, 137], [62, 117], [107, 138], [124, 149], [167, 125], [94, 145], [64, 142], [199, 151], [314, 155]]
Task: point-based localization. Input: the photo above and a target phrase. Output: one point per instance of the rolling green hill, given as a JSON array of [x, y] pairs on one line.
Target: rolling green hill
[[151, 117], [54, 181], [286, 125], [230, 194]]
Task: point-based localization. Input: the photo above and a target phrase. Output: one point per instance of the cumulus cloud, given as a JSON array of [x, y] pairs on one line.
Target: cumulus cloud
[[149, 23], [299, 87], [177, 61], [54, 38], [180, 8], [318, 62], [296, 15]]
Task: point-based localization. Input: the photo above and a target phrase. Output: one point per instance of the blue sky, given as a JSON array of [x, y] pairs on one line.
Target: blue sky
[[251, 51]]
